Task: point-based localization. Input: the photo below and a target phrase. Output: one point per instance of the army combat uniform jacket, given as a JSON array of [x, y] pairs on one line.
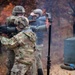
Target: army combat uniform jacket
[[23, 45]]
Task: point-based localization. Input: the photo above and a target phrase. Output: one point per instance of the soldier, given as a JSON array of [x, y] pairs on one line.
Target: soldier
[[37, 19], [23, 44], [17, 11]]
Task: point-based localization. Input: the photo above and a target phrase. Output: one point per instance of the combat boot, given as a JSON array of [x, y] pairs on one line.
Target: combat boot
[[40, 71]]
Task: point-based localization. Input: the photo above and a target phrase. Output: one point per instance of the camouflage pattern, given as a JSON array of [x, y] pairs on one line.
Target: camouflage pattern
[[13, 21], [38, 55], [10, 19], [21, 20], [17, 20], [23, 45], [10, 53], [18, 10]]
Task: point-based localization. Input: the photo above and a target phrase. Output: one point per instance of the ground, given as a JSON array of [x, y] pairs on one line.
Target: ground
[[56, 60], [56, 70], [3, 68]]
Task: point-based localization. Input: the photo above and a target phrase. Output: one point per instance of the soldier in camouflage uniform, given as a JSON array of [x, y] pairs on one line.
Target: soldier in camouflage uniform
[[23, 44], [18, 11], [10, 22]]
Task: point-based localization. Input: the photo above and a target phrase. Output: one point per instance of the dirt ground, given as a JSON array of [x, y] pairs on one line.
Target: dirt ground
[[56, 70], [3, 68]]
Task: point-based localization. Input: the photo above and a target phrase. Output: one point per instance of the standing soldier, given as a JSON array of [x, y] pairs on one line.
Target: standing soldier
[[10, 21], [23, 44], [38, 20]]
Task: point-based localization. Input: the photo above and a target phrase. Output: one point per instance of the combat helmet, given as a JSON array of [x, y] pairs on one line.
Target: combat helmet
[[38, 11], [18, 10], [22, 22]]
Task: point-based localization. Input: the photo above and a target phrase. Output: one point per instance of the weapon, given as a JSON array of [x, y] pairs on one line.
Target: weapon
[[9, 31]]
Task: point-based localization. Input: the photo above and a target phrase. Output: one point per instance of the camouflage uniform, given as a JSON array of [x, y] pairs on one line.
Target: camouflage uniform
[[13, 21], [23, 44], [10, 53], [10, 22]]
